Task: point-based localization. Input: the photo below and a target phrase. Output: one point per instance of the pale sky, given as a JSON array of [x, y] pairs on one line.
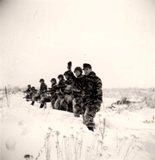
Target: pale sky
[[39, 37]]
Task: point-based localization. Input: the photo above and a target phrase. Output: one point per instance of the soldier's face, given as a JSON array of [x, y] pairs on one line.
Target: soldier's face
[[77, 73], [53, 82], [87, 71]]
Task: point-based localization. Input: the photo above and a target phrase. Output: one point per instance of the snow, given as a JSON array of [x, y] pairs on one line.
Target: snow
[[46, 134]]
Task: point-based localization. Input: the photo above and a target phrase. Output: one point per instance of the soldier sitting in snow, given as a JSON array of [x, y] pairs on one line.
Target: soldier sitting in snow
[[77, 91], [41, 94], [68, 94], [69, 75], [28, 92], [60, 92], [53, 91]]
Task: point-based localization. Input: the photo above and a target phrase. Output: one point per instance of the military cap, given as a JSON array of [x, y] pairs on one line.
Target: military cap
[[86, 65]]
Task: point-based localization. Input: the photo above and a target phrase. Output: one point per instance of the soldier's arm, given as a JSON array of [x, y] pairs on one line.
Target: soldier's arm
[[98, 89], [45, 87], [61, 86]]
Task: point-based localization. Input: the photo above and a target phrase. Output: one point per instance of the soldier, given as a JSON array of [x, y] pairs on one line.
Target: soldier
[[43, 87], [53, 91], [34, 95], [28, 88], [67, 102], [92, 96], [60, 92], [69, 75], [43, 92], [61, 82], [77, 91], [40, 94], [28, 92]]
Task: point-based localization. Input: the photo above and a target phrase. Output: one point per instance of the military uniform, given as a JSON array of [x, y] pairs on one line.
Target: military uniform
[[92, 98], [53, 92], [69, 77], [28, 93], [32, 92], [68, 99], [43, 88], [43, 93], [77, 92], [60, 93], [68, 94]]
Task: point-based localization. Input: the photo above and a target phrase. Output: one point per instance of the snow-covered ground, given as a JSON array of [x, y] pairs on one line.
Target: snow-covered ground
[[124, 133]]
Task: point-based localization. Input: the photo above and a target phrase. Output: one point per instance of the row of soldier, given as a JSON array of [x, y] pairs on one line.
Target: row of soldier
[[74, 92]]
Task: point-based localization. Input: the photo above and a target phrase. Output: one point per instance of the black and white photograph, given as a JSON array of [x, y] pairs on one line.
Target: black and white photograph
[[77, 80]]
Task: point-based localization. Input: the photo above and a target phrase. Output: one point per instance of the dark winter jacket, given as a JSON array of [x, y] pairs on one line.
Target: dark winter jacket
[[78, 86], [61, 83], [92, 88], [43, 88], [61, 86], [28, 90], [71, 77], [53, 89]]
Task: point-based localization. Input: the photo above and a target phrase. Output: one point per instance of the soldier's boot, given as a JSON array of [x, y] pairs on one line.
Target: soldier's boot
[[76, 115], [91, 128], [41, 105], [32, 103], [70, 107]]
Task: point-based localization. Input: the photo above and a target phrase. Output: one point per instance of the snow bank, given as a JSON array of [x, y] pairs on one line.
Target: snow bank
[[50, 134]]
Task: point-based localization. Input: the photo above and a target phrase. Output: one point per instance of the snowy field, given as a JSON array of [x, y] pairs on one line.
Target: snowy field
[[122, 133]]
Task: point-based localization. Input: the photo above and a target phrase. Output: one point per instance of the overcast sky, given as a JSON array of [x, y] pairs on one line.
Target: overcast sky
[[39, 37]]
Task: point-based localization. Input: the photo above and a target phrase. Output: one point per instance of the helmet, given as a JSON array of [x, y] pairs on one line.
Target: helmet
[[78, 69], [53, 80], [60, 76], [41, 80], [86, 65]]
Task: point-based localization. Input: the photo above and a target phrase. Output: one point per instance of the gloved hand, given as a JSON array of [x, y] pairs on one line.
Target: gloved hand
[[69, 65]]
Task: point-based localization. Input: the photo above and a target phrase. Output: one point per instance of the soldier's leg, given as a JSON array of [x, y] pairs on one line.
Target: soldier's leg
[[83, 112], [57, 103], [53, 100], [69, 101], [34, 97], [63, 105], [42, 101], [89, 115], [27, 97], [77, 107]]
